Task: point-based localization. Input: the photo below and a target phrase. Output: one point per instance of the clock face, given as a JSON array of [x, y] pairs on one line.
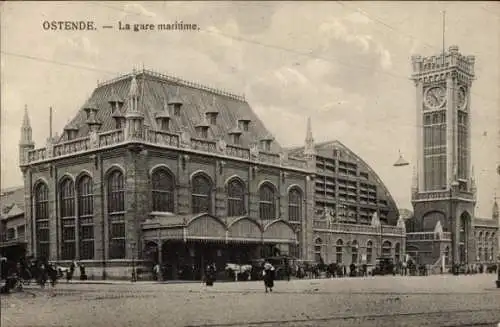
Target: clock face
[[435, 97], [461, 98]]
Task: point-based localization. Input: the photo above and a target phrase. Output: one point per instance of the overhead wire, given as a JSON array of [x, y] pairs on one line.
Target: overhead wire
[[237, 39]]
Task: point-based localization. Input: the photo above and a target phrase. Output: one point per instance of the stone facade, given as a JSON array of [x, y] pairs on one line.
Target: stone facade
[[129, 142]]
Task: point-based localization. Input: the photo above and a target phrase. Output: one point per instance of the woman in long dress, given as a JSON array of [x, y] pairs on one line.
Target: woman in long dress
[[268, 273]]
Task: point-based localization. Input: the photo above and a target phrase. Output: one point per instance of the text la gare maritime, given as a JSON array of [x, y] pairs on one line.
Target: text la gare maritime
[[177, 26]]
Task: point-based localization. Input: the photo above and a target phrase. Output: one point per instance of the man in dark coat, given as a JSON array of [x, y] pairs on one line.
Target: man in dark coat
[[210, 275], [269, 274]]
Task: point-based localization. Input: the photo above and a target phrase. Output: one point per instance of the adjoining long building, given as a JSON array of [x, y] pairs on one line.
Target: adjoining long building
[[157, 169]]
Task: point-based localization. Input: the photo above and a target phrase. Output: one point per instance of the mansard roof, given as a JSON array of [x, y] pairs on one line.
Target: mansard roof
[[196, 100]]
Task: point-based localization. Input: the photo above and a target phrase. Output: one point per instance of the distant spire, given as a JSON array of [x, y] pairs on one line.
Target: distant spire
[[495, 211], [26, 118], [26, 132], [309, 149], [309, 135], [414, 182]]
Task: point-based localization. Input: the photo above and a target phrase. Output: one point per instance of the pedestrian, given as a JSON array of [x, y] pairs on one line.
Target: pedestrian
[[70, 272], [156, 272], [269, 275], [42, 274], [210, 274]]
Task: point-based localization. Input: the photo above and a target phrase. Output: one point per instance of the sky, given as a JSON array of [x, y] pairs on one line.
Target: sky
[[345, 65]]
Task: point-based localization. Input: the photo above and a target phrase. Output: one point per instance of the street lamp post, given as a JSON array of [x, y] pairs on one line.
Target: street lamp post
[[132, 248], [454, 268]]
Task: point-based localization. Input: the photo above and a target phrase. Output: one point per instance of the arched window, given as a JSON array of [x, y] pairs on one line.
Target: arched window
[[42, 221], [386, 249], [163, 184], [201, 194], [369, 252], [294, 205], [116, 214], [267, 202], [354, 252], [86, 217], [318, 244], [235, 198], [397, 253], [68, 221], [339, 251]]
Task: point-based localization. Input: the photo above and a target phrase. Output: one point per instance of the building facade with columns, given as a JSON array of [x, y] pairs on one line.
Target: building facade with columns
[[444, 225], [157, 169]]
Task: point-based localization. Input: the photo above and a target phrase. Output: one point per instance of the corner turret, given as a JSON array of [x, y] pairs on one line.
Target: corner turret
[[134, 117], [26, 142]]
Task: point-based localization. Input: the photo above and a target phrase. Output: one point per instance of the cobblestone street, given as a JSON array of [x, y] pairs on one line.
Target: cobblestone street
[[381, 301]]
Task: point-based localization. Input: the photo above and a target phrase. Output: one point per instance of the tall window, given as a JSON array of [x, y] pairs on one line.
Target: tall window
[[369, 252], [267, 202], [116, 215], [163, 190], [68, 221], [201, 194], [42, 221], [294, 205], [318, 244], [397, 252], [447, 255], [235, 198], [480, 254], [386, 249], [86, 218], [354, 251], [339, 251]]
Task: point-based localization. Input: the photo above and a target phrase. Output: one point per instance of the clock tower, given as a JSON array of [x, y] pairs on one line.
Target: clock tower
[[444, 191]]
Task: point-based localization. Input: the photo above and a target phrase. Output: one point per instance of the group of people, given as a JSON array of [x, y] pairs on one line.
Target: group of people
[[268, 276], [16, 274]]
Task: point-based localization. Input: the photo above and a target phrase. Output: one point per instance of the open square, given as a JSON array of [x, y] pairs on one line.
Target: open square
[[439, 300]]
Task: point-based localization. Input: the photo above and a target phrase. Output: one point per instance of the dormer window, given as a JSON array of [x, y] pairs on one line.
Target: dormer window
[[176, 103], [244, 124], [177, 109], [164, 124], [71, 132], [212, 118], [266, 145]]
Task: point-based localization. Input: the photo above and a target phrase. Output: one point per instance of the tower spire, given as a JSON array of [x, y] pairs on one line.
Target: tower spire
[[26, 131], [309, 150], [26, 142], [26, 118]]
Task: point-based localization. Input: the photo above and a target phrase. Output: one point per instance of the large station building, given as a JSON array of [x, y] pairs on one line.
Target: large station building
[[157, 169], [444, 226]]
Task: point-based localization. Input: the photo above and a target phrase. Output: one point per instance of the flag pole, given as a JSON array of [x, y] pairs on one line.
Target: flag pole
[[50, 123]]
